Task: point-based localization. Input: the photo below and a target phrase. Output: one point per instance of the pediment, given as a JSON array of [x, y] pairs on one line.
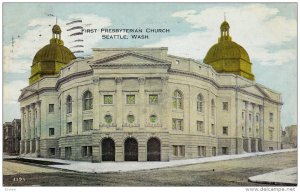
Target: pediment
[[26, 92], [129, 58], [256, 90]]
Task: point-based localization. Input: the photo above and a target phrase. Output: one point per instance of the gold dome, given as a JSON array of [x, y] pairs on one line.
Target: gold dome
[[51, 58], [226, 50], [54, 52], [227, 56]]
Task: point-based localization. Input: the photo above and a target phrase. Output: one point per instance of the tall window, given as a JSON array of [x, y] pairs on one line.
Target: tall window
[[51, 132], [87, 124], [212, 107], [213, 131], [200, 103], [225, 130], [51, 108], [177, 124], [69, 104], [200, 126], [69, 127], [177, 100], [271, 117], [225, 106], [87, 101], [201, 151]]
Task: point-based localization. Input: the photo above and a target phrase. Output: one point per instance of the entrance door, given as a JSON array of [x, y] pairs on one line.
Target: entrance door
[[153, 150], [108, 150], [131, 149]]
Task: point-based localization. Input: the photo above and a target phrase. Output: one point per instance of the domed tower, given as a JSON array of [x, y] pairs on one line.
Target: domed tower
[[51, 58], [229, 57]]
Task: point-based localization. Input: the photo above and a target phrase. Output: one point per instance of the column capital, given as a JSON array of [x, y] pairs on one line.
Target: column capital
[[164, 79], [141, 80], [38, 103], [96, 80], [118, 80], [27, 107], [32, 105]]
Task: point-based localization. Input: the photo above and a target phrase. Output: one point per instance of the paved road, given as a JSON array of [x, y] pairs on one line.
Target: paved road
[[226, 173]]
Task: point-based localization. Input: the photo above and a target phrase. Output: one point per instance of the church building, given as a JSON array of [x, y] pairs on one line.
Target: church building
[[143, 104]]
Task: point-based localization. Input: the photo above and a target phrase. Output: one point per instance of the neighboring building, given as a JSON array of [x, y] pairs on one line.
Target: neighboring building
[[142, 104], [12, 137], [289, 137]]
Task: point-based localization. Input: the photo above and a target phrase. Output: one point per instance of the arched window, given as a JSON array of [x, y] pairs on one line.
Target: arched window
[[87, 101], [200, 103], [177, 100], [212, 107], [69, 104]]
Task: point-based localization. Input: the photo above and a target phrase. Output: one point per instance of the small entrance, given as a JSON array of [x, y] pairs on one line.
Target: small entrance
[[131, 149], [108, 149], [253, 145], [153, 150]]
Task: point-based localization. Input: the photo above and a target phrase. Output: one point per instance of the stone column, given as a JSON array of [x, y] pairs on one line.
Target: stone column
[[32, 141], [38, 128], [96, 103], [119, 103], [22, 131], [142, 117], [27, 129], [166, 104], [247, 124]]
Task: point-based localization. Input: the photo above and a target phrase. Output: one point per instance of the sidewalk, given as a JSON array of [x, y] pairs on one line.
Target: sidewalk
[[282, 177], [105, 167]]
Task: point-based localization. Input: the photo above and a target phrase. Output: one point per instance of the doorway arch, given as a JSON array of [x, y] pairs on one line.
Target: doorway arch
[[153, 149], [108, 149], [131, 149]]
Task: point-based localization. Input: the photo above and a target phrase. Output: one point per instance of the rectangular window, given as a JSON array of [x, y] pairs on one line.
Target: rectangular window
[[108, 99], [225, 130], [87, 151], [153, 99], [224, 150], [271, 134], [201, 151], [213, 129], [51, 151], [51, 108], [214, 151], [69, 127], [175, 150], [177, 124], [87, 124], [243, 115], [257, 117], [250, 117], [200, 126], [68, 152], [181, 150], [178, 150], [51, 132], [130, 99], [225, 106], [271, 117]]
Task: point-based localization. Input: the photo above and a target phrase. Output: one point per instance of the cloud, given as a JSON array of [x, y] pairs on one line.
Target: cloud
[[12, 90], [256, 27], [17, 58]]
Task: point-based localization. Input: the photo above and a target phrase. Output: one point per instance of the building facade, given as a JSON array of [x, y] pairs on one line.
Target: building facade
[[11, 137], [289, 137], [143, 104]]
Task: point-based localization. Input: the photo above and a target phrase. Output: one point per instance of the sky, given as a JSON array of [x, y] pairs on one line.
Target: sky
[[268, 31]]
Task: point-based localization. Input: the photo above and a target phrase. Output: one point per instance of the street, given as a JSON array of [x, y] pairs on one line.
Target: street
[[223, 173]]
